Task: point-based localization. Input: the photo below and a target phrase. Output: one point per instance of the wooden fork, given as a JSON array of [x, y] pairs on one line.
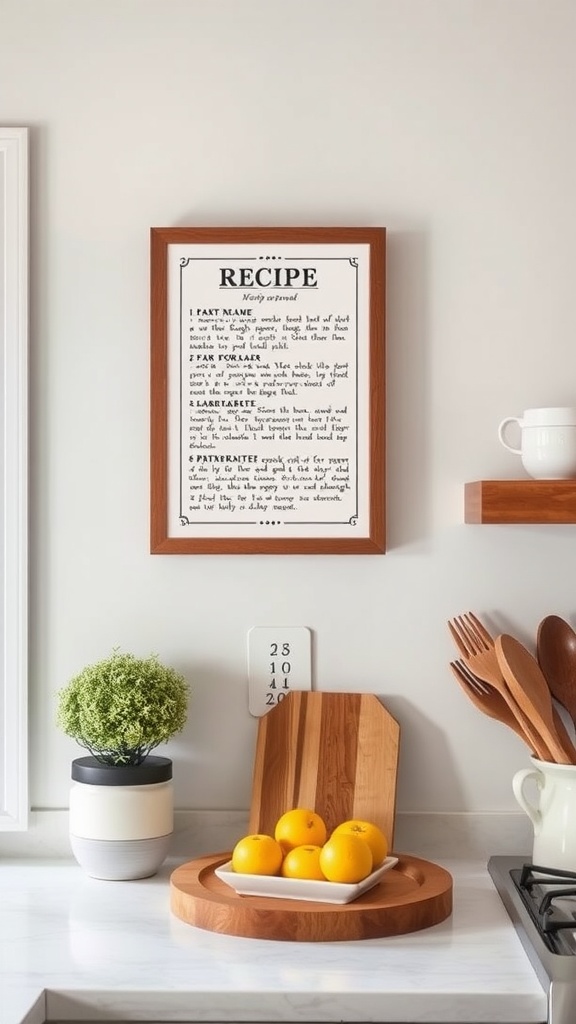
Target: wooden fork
[[563, 735], [488, 700], [477, 648]]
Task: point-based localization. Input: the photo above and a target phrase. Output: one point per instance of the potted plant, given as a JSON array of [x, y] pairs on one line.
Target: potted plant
[[121, 803]]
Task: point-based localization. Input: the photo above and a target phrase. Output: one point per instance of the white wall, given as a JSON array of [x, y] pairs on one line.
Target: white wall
[[450, 122]]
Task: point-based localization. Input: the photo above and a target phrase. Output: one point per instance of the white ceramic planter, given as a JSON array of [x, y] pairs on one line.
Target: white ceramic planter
[[121, 818]]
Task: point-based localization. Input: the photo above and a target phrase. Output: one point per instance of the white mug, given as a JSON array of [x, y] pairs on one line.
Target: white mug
[[548, 442], [553, 816]]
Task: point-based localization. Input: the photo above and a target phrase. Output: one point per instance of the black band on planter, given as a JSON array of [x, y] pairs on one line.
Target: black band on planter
[[94, 773]]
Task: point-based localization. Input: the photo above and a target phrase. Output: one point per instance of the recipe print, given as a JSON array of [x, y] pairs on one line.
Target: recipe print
[[268, 409]]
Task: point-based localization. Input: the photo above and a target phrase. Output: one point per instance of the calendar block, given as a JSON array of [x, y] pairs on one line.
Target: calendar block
[[279, 661]]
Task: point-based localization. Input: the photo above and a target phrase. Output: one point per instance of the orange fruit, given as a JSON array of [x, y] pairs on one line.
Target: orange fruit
[[303, 862], [257, 855], [300, 827], [370, 833], [346, 858]]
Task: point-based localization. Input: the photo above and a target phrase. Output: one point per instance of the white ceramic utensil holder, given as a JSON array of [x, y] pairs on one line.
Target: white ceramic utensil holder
[[552, 812], [121, 818]]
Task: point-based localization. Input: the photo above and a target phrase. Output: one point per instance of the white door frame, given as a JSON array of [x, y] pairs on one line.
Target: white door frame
[[14, 211]]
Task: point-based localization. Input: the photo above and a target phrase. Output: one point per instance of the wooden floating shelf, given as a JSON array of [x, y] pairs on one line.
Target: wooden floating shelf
[[520, 501]]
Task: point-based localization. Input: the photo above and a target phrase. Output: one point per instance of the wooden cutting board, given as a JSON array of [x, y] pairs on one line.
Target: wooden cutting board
[[334, 753], [412, 895]]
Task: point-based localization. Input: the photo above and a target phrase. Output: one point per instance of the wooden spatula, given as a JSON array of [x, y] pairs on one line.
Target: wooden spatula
[[528, 685], [335, 753]]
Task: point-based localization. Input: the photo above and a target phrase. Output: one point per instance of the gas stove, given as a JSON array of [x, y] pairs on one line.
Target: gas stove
[[541, 902]]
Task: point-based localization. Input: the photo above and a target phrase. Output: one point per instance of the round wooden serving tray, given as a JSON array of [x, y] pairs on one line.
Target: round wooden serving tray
[[412, 895]]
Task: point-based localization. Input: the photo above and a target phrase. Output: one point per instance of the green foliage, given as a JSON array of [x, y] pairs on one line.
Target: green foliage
[[122, 707]]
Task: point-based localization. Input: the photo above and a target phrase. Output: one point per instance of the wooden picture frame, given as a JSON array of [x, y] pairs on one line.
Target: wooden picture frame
[[268, 390], [14, 208]]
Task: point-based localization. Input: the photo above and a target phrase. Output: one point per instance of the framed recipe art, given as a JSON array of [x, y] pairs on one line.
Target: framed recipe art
[[268, 390]]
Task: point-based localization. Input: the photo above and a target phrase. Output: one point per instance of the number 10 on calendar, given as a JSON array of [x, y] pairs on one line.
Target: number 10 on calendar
[[279, 660]]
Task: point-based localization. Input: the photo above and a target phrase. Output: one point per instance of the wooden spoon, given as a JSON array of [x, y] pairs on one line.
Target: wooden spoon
[[556, 651], [528, 685]]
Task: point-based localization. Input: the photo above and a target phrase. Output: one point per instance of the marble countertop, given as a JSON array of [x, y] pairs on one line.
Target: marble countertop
[[73, 948]]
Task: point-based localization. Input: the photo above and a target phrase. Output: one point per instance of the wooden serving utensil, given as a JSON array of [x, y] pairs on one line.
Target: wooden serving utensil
[[490, 701], [530, 690], [478, 650], [556, 652]]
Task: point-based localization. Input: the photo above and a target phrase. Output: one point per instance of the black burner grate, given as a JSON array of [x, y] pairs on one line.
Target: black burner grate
[[558, 884]]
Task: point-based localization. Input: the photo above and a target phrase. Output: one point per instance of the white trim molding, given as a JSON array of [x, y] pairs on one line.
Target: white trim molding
[[458, 835], [14, 245]]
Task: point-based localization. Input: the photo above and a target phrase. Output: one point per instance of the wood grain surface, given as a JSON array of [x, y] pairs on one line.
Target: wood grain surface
[[414, 894], [520, 501], [335, 753], [528, 686]]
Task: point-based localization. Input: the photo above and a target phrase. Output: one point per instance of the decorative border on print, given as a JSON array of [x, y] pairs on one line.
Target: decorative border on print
[[352, 521]]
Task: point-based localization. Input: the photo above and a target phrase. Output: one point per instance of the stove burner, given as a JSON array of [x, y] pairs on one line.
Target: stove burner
[[540, 889], [530, 892]]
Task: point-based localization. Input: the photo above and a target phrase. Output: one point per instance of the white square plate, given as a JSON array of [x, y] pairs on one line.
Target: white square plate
[[300, 888]]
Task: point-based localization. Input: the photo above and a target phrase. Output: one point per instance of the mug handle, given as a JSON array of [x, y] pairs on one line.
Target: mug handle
[[502, 430], [518, 783]]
